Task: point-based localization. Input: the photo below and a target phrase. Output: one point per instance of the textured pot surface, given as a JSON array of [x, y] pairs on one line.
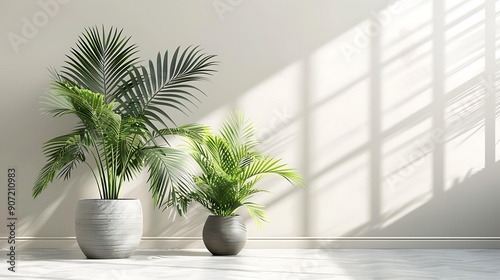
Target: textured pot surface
[[224, 235], [108, 228]]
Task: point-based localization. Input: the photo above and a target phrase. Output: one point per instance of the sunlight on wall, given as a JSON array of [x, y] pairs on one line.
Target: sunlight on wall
[[407, 172], [275, 108], [33, 224], [464, 61], [494, 77], [51, 213], [406, 72], [384, 110], [339, 95], [341, 198], [338, 91], [406, 85]]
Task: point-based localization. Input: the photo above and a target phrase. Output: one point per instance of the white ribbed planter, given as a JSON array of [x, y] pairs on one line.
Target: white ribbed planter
[[108, 228]]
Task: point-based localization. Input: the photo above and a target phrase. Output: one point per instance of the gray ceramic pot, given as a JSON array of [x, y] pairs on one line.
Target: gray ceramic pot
[[224, 235], [108, 228]]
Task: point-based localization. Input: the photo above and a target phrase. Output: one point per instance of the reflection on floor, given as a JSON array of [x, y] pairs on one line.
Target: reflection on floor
[[339, 264]]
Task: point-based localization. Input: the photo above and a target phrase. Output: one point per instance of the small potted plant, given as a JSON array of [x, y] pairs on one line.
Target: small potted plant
[[231, 167], [121, 109]]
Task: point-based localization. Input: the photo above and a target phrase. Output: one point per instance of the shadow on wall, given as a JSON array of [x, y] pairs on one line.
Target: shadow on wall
[[260, 47], [389, 132], [459, 212], [364, 104], [56, 212], [420, 113], [176, 232], [228, 37]]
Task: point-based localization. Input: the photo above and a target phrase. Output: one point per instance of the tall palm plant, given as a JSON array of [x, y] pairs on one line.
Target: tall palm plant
[[123, 110], [231, 167]]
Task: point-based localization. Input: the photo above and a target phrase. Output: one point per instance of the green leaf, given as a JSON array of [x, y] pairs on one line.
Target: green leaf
[[167, 84], [101, 61], [168, 174], [122, 109], [63, 153], [231, 168]]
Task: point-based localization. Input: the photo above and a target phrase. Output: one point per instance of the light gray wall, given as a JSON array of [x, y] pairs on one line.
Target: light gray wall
[[387, 108]]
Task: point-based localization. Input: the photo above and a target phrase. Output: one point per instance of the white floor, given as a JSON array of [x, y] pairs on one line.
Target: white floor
[[339, 264]]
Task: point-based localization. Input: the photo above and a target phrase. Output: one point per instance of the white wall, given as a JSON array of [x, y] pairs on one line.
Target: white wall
[[380, 105]]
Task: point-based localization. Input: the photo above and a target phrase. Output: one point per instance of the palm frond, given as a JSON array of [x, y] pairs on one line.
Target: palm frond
[[266, 165], [88, 106], [101, 61], [168, 176], [168, 85], [63, 153], [257, 212], [223, 155], [122, 109], [231, 168], [196, 132], [133, 137], [239, 133], [56, 100]]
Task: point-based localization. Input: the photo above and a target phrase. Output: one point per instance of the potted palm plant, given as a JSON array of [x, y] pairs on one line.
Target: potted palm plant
[[121, 109], [231, 167]]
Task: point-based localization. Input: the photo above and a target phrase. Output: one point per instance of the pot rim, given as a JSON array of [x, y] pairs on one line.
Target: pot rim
[[212, 215], [100, 199]]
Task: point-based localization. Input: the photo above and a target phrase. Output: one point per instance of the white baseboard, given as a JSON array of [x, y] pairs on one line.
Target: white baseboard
[[282, 243]]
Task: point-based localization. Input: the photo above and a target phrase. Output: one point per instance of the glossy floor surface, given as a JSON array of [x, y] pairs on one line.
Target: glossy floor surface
[[339, 264]]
